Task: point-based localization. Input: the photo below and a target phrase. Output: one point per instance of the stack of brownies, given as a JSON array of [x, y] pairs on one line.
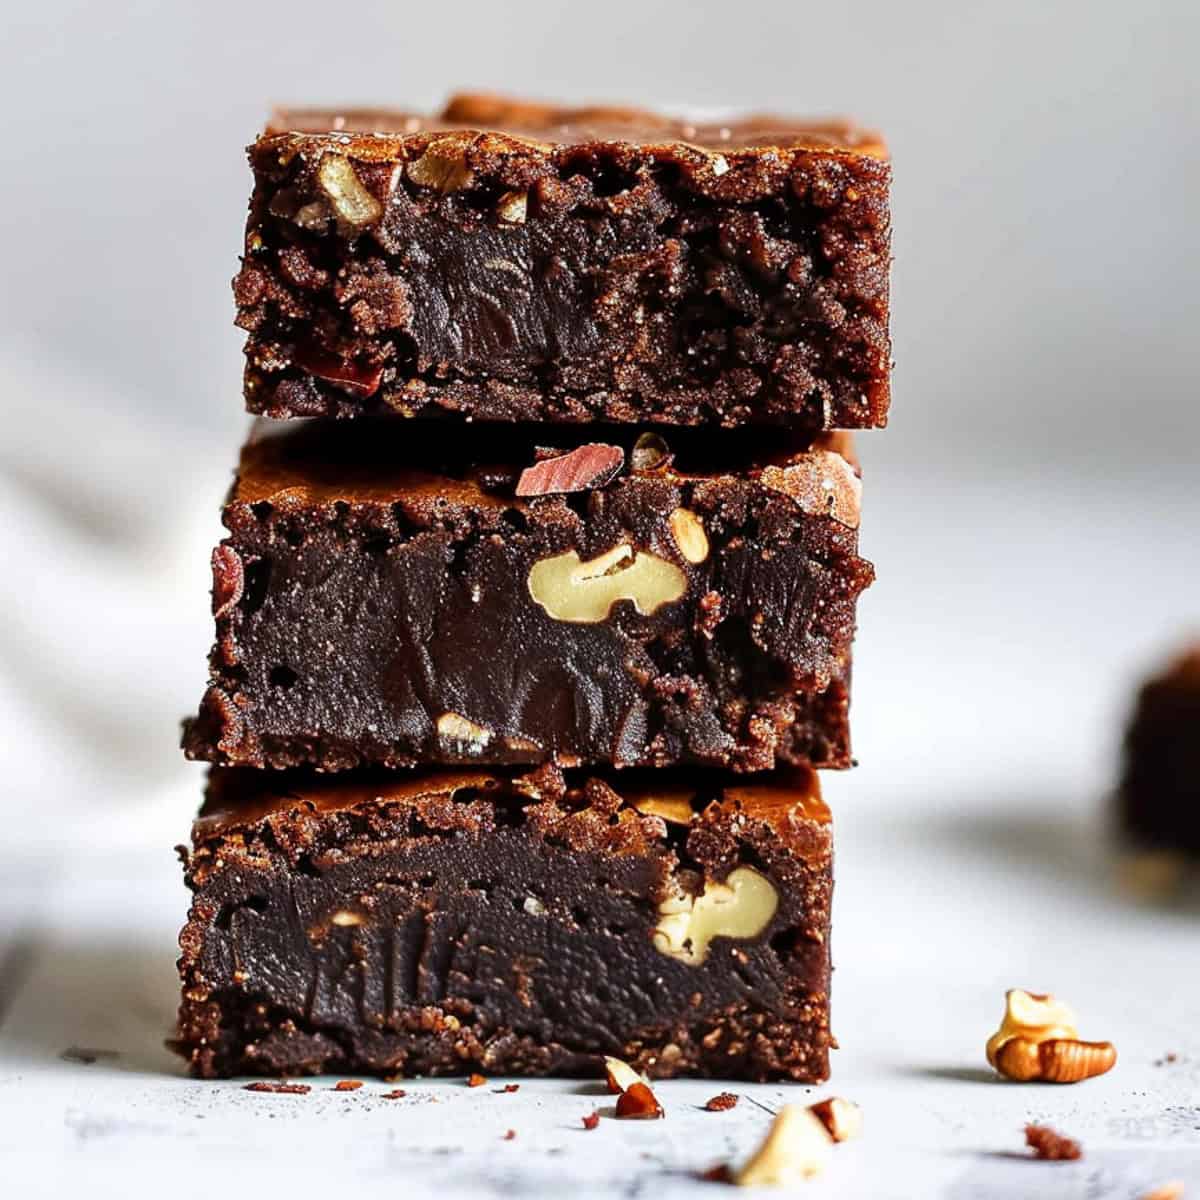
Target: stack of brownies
[[536, 608]]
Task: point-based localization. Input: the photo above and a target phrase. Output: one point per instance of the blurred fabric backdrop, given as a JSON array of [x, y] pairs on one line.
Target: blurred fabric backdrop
[[1032, 509]]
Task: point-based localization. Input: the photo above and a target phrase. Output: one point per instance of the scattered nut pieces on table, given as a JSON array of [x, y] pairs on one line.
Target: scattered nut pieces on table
[[619, 1075], [635, 1100], [1038, 1041], [842, 1118], [638, 1103], [796, 1148]]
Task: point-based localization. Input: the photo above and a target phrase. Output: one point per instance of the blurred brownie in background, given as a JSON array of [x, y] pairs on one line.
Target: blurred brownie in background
[[1159, 796]]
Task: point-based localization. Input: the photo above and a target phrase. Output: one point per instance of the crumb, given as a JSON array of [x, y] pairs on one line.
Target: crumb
[[279, 1089], [508, 1087], [476, 1080], [591, 1120], [347, 1085], [509, 1135], [1049, 1144], [718, 1174], [85, 1055], [721, 1102], [398, 1094], [1169, 1057]]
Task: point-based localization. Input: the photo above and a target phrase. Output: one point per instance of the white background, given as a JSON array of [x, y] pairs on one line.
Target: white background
[[1032, 511]]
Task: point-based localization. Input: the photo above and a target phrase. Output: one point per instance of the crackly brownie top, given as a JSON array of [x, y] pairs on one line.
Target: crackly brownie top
[[554, 126], [310, 463], [785, 800]]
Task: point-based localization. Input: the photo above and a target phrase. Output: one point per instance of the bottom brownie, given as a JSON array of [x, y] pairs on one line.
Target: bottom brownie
[[1160, 789], [522, 924]]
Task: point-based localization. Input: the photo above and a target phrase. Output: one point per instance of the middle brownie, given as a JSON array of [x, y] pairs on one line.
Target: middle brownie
[[392, 596]]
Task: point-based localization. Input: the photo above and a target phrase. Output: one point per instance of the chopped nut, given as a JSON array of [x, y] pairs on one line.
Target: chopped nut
[[350, 199], [650, 453], [510, 1134], [347, 1085], [442, 167], [584, 592], [638, 1103], [508, 1088], [722, 1102], [1049, 1144], [512, 206], [345, 918], [689, 535], [228, 580], [589, 466], [673, 806], [471, 738], [741, 907], [619, 1075], [476, 1080], [279, 1089], [822, 483], [533, 906], [1058, 1060], [398, 1094], [354, 377], [841, 1118], [590, 1120], [796, 1148], [1037, 1040]]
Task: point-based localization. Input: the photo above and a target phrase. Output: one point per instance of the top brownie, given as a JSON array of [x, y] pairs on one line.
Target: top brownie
[[511, 261]]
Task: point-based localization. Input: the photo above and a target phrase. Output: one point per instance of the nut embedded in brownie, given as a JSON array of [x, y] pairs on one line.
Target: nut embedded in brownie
[[514, 262], [388, 596], [1159, 797], [445, 923]]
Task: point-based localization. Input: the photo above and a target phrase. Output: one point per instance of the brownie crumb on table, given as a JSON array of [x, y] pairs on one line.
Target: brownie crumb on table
[[721, 1102], [280, 1089]]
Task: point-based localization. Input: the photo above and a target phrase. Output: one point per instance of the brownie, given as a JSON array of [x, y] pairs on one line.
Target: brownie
[[449, 922], [393, 596], [1160, 791], [511, 261]]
